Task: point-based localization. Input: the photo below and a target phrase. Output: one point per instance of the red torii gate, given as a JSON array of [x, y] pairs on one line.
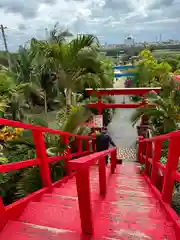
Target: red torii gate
[[99, 105]]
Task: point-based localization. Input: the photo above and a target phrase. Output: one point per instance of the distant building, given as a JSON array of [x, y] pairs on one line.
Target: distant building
[[129, 41]]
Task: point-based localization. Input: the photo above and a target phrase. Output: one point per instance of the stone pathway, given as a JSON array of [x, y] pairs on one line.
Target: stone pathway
[[121, 130], [127, 154]]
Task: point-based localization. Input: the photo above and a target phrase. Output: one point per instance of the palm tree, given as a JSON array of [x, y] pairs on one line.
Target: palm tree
[[23, 65], [44, 79], [58, 36], [76, 63], [12, 96]]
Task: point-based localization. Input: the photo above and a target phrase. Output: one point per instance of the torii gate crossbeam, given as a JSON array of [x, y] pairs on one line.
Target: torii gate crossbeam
[[99, 105]]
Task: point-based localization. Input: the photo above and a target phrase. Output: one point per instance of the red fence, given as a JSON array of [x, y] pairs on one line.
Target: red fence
[[149, 153], [42, 160], [81, 166]]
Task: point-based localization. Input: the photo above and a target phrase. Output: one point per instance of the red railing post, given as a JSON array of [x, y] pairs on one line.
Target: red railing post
[[83, 190], [148, 155], [79, 145], [113, 160], [155, 160], [140, 149], [171, 166], [94, 145], [99, 105], [42, 157], [144, 147], [68, 153], [102, 176], [3, 219], [88, 145]]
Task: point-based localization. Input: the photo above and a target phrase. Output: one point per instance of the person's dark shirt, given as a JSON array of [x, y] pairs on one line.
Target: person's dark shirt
[[103, 141]]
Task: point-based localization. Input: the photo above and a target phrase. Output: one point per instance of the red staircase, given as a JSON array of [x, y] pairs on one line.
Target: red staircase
[[95, 201]]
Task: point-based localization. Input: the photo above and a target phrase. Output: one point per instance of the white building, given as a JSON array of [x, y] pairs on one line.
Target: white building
[[129, 41]]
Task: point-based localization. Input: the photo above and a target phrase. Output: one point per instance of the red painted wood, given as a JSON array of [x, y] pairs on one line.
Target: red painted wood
[[171, 166], [129, 210], [99, 106], [122, 91], [161, 167], [88, 146], [42, 157], [77, 155], [148, 154], [79, 145], [102, 176], [169, 170], [163, 137], [171, 213], [115, 105], [82, 178], [18, 165], [14, 210], [24, 231], [37, 131], [16, 124], [33, 162], [3, 215], [88, 161], [156, 159], [67, 153], [84, 199], [140, 145]]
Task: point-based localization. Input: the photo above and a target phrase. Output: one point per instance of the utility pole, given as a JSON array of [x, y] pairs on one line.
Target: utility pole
[[5, 45]]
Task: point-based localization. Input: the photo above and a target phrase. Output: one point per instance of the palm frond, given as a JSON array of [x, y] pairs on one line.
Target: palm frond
[[78, 116], [83, 41]]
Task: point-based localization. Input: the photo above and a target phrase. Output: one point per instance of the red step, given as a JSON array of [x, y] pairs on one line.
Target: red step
[[71, 191], [128, 211], [68, 191], [59, 199], [24, 231], [52, 215]]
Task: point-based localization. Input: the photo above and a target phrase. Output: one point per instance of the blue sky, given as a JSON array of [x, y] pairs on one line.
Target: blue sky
[[110, 20]]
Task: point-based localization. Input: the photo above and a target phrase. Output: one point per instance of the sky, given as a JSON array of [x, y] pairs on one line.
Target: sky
[[110, 20]]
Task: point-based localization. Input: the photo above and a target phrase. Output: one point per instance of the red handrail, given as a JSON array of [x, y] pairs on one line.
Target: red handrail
[[17, 124], [42, 160], [81, 166], [150, 156]]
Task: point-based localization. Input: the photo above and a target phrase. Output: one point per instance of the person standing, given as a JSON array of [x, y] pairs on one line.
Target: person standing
[[103, 142]]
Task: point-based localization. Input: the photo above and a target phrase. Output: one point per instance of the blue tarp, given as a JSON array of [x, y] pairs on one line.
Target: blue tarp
[[123, 67], [117, 75]]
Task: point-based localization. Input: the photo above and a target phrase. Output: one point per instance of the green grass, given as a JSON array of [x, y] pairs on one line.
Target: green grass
[[166, 52]]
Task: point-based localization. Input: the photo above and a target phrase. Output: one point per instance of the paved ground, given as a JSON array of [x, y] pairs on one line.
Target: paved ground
[[121, 129]]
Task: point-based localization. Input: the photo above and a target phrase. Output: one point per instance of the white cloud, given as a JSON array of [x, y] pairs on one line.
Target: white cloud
[[111, 20]]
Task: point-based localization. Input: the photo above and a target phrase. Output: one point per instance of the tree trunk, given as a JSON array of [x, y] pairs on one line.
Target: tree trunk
[[68, 100]]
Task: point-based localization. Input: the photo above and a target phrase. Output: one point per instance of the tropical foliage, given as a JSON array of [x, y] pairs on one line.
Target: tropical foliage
[[46, 76], [164, 116], [150, 72]]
